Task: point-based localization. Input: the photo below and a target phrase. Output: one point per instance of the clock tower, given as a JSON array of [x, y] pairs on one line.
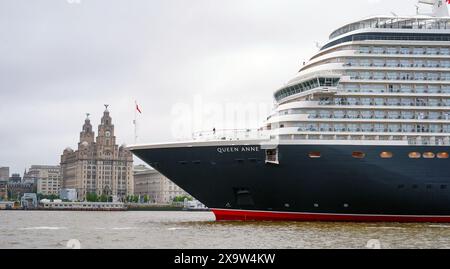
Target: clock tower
[[106, 139], [99, 166]]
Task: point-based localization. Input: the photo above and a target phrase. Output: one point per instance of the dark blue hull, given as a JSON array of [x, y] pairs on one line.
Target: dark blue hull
[[239, 179]]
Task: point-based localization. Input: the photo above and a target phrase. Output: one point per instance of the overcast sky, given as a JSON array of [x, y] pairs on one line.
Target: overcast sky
[[60, 59]]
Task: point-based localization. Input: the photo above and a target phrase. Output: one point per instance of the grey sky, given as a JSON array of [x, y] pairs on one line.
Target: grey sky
[[62, 58]]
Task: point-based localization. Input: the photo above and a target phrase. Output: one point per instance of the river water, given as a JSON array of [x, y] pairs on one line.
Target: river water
[[198, 230]]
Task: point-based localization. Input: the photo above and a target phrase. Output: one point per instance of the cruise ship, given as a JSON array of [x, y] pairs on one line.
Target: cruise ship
[[361, 133]]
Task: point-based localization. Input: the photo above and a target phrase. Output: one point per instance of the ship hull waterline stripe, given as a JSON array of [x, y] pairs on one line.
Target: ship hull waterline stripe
[[249, 215]]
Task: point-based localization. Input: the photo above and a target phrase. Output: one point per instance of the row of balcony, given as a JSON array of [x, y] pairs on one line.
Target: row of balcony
[[405, 51], [418, 102], [377, 128], [405, 78], [390, 89], [445, 64]]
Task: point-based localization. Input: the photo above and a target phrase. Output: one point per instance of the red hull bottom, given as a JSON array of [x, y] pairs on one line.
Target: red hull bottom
[[244, 215]]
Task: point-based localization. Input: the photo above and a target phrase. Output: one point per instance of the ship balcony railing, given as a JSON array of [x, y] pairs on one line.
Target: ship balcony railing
[[411, 140], [231, 135]]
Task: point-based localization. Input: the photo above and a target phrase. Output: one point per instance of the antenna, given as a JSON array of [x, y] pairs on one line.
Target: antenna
[[439, 7]]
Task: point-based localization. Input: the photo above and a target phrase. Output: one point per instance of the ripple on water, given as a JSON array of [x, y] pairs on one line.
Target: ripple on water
[[43, 228], [199, 230]]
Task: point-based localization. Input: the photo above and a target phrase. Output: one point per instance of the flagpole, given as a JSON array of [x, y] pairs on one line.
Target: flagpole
[[135, 123]]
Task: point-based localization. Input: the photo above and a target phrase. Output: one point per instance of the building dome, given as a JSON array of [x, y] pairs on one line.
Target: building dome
[[68, 150], [85, 144]]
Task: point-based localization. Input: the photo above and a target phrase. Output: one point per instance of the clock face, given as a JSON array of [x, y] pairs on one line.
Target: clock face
[[108, 134]]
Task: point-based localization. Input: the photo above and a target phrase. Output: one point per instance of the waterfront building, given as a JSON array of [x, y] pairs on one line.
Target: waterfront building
[[46, 177], [98, 165], [15, 178], [3, 190], [16, 190], [159, 188], [31, 176], [4, 173]]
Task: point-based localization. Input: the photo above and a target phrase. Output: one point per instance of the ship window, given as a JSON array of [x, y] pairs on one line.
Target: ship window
[[315, 155], [386, 155], [429, 155], [358, 155], [414, 155], [443, 155], [272, 156]]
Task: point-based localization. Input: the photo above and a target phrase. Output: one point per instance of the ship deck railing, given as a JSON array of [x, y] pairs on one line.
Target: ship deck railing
[[395, 23]]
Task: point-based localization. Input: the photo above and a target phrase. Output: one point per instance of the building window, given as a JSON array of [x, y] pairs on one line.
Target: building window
[[386, 155], [443, 155], [429, 155], [358, 155], [315, 155], [414, 155]]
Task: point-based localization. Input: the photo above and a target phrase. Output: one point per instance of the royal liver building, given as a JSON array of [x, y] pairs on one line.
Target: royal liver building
[[99, 165]]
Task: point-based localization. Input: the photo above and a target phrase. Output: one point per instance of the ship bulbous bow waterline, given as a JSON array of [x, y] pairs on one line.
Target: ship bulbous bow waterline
[[361, 133]]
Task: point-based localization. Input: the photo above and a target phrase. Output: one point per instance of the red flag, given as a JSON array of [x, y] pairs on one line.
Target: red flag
[[448, 1], [139, 110]]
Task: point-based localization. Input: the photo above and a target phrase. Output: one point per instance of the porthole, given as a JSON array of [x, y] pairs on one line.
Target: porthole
[[358, 155], [442, 155], [386, 155], [315, 155], [429, 155], [414, 155]]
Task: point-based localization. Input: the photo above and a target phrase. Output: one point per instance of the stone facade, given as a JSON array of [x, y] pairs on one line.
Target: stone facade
[[3, 190], [47, 178], [17, 190], [4, 173], [152, 183], [99, 165]]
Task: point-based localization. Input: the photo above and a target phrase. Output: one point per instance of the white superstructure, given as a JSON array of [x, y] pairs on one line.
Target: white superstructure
[[378, 79]]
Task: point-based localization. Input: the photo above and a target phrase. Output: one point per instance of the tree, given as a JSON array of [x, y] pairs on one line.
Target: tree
[[146, 198], [91, 197], [103, 198], [181, 198]]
